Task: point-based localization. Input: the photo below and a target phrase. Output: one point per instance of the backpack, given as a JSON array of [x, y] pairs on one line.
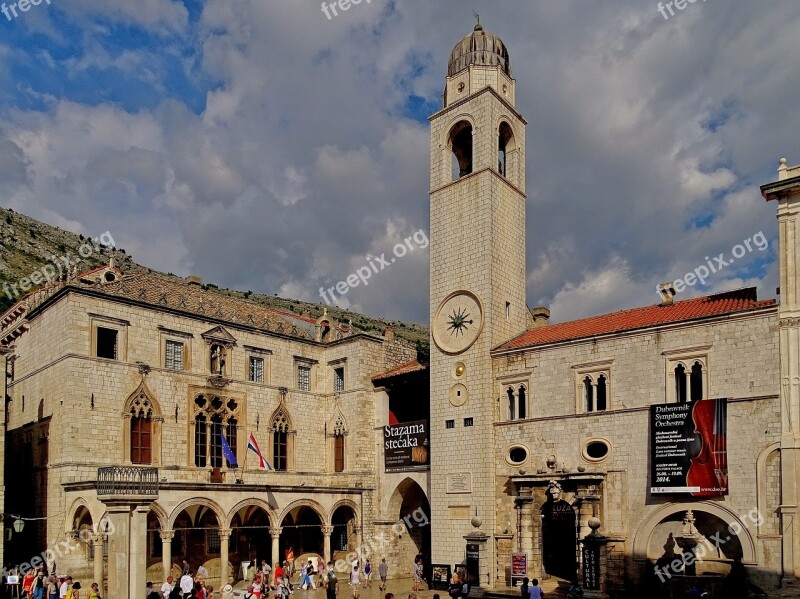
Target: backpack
[[465, 589]]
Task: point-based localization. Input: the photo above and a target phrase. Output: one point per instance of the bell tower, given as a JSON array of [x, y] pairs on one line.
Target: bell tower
[[477, 285]]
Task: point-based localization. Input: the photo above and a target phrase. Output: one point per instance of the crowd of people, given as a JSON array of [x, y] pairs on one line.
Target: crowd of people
[[38, 584]]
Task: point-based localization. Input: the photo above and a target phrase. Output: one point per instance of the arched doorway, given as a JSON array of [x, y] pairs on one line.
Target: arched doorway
[[410, 506], [250, 539], [559, 537], [343, 522], [301, 534], [197, 538]]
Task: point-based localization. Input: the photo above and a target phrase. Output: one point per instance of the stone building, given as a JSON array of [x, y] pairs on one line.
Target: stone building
[[553, 424], [126, 389]]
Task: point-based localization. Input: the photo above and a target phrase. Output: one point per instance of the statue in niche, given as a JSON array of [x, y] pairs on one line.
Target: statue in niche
[[218, 359]]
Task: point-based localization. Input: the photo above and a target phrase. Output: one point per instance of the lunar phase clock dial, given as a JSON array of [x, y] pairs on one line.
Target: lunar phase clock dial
[[458, 322]]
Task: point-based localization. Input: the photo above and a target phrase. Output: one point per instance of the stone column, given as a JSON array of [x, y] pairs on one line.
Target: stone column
[[166, 551], [224, 566], [138, 550], [119, 518], [525, 501], [327, 531], [275, 533], [97, 545]]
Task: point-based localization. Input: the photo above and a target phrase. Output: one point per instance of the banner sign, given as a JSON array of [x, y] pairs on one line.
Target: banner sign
[[689, 448], [591, 567], [405, 446], [519, 565]]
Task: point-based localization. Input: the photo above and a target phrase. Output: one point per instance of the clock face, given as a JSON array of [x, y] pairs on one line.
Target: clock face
[[458, 322]]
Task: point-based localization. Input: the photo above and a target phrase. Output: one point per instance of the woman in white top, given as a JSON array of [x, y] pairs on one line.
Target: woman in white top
[[355, 581]]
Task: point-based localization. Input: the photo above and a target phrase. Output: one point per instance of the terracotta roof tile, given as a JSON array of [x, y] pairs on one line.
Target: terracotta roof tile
[[407, 368], [730, 302]]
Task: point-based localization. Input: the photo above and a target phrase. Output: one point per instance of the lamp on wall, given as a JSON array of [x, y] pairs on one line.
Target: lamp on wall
[[19, 525]]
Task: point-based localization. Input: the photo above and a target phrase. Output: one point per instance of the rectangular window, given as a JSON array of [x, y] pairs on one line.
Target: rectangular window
[[279, 450], [449, 423], [338, 379], [216, 442], [200, 438], [173, 355], [338, 453], [467, 421], [304, 377], [107, 343], [141, 440], [256, 369]]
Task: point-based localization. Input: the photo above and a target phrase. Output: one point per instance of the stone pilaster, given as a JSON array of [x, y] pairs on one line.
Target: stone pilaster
[[166, 551]]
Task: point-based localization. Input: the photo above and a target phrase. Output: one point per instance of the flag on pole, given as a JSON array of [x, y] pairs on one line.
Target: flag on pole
[[262, 463], [226, 451]]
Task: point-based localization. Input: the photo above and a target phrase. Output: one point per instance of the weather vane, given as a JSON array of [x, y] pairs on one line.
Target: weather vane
[[477, 16]]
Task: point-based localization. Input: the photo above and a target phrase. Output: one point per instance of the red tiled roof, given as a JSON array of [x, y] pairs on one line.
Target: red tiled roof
[[407, 368], [730, 302]]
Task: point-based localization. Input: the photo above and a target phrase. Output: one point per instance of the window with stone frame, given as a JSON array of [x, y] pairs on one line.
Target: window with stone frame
[[593, 387], [281, 425], [339, 434], [214, 416], [304, 377], [687, 374], [256, 369], [141, 430], [517, 402], [338, 379], [107, 343], [174, 354]]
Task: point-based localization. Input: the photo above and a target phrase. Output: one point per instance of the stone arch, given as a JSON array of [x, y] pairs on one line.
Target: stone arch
[[136, 400], [251, 502], [75, 508], [343, 503], [161, 515], [309, 503], [646, 529], [200, 501]]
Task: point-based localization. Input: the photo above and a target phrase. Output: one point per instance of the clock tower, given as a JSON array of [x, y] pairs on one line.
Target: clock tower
[[477, 286]]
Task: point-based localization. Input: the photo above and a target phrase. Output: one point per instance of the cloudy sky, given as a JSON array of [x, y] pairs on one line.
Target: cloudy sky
[[263, 146]]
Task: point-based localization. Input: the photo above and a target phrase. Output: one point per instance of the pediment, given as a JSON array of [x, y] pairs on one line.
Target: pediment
[[219, 334]]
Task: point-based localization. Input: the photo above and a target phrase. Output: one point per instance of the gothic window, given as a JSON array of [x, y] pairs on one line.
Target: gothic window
[[141, 431], [511, 402], [588, 394], [461, 146], [339, 433], [280, 441], [522, 411], [601, 393], [517, 403], [215, 416], [696, 382], [680, 383]]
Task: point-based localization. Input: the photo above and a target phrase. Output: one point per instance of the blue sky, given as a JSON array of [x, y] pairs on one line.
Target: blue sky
[[263, 146]]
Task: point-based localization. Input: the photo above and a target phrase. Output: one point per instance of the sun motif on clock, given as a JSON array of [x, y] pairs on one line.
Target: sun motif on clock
[[458, 322]]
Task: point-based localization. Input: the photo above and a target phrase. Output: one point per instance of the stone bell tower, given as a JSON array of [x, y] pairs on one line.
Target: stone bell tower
[[477, 253]]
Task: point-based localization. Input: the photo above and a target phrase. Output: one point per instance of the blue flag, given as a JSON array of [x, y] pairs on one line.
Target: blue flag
[[226, 451]]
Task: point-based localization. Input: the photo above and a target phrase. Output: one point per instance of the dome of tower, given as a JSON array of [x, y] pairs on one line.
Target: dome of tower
[[479, 47]]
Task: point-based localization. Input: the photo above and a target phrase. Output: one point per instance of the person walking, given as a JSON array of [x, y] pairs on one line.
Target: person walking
[[367, 573], [383, 572], [52, 587], [64, 589], [321, 574], [187, 585], [417, 575], [94, 591], [536, 590], [524, 590], [39, 584], [331, 583], [355, 581], [167, 587]]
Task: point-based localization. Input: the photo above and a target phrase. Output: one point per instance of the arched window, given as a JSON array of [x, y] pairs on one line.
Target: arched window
[[522, 412], [505, 139], [214, 416], [680, 383], [588, 394], [142, 434], [696, 382], [280, 441], [601, 393], [461, 145], [511, 402]]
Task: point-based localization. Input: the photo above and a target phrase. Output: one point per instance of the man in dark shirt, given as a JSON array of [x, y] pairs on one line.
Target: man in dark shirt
[[331, 583]]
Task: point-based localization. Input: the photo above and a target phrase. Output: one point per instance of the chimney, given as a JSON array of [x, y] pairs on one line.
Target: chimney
[[194, 280], [540, 317], [667, 291], [389, 332]]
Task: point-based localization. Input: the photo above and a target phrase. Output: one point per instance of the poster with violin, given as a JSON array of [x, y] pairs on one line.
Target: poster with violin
[[689, 448]]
